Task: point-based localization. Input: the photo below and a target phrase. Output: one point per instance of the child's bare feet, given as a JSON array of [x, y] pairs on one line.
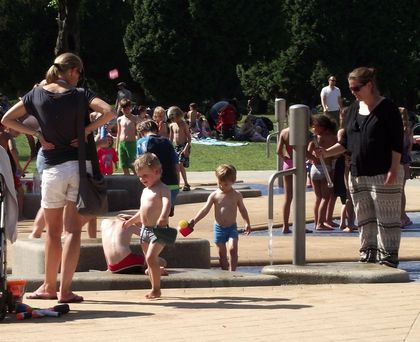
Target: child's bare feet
[[286, 230], [34, 236], [163, 271], [153, 294], [323, 227], [331, 224]]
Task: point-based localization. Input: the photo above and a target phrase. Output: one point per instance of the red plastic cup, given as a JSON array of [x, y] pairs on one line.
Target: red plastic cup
[[16, 287], [186, 231]]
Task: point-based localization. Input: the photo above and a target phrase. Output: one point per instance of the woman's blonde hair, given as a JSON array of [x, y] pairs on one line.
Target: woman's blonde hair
[[61, 65], [404, 117], [364, 75]]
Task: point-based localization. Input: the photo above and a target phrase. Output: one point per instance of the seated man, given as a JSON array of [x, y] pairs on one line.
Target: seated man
[[116, 244]]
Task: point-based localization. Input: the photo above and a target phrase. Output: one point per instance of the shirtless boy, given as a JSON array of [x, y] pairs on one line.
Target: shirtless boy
[[126, 137], [155, 205], [226, 201], [179, 134]]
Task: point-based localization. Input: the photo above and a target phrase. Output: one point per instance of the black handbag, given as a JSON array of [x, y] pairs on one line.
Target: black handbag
[[165, 235], [92, 198]]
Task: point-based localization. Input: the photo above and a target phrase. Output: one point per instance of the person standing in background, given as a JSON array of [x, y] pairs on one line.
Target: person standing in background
[[331, 100]]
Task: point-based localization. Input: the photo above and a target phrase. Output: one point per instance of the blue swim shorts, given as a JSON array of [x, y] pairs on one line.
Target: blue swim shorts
[[223, 234]]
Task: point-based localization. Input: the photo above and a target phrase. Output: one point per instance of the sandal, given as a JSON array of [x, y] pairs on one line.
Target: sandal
[[73, 299]]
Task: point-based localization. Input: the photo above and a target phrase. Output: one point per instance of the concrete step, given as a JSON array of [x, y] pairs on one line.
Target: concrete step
[[178, 278], [28, 256], [337, 273]]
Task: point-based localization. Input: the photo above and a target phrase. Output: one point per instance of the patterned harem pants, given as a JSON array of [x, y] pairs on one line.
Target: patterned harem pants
[[378, 211]]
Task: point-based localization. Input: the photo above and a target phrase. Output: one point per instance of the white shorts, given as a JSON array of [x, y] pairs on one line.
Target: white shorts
[[60, 183]]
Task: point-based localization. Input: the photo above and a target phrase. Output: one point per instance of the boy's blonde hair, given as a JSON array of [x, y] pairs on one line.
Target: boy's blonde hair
[[147, 160], [226, 172], [175, 112], [125, 103], [159, 110]]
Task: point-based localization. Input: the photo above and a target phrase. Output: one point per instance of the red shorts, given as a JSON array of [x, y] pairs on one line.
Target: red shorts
[[132, 263]]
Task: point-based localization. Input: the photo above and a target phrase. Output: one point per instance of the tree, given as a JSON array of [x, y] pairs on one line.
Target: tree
[[188, 50], [26, 52], [68, 38], [335, 37], [101, 47]]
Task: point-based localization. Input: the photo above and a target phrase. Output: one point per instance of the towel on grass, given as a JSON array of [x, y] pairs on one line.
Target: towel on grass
[[215, 142]]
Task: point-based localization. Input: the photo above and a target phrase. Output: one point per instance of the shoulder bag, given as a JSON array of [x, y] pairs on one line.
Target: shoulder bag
[[92, 198]]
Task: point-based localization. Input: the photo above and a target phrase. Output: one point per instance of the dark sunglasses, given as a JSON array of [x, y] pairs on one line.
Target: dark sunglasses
[[356, 89], [332, 80]]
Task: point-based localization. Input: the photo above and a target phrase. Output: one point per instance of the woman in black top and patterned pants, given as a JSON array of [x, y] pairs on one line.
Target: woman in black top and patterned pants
[[374, 137]]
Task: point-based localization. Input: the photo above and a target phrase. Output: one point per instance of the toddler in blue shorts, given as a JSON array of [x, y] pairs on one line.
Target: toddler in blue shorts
[[227, 201]]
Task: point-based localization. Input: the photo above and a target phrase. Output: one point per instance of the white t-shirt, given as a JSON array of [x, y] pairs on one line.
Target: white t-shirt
[[331, 98]]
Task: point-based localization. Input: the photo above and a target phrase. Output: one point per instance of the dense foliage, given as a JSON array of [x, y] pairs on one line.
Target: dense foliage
[[202, 51], [182, 51]]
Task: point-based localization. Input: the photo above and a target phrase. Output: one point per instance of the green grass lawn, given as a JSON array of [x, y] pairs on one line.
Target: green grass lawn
[[203, 157]]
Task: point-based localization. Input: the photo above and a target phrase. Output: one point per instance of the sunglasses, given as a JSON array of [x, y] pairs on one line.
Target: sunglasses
[[332, 80], [356, 89]]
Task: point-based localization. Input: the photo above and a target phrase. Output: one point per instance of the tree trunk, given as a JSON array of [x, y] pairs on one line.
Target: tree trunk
[[68, 39]]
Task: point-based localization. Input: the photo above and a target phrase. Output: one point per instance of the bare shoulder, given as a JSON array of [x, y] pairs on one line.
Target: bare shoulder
[[238, 194]]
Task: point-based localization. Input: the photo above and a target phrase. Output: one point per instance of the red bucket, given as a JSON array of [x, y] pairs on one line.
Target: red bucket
[[16, 287]]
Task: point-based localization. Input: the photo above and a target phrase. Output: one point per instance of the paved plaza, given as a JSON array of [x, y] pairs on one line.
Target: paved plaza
[[334, 312]]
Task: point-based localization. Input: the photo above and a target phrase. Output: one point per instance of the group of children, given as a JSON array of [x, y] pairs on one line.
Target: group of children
[[178, 128]]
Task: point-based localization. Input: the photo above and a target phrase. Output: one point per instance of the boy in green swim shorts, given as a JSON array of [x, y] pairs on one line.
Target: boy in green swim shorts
[[226, 201], [126, 137]]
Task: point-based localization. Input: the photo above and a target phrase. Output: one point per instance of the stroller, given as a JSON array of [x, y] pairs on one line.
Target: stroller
[[5, 301]]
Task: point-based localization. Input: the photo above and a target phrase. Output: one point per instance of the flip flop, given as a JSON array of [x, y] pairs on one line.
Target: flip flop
[[74, 299], [39, 295]]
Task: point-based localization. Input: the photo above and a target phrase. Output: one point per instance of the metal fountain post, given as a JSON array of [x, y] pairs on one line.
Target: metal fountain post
[[298, 135], [299, 124]]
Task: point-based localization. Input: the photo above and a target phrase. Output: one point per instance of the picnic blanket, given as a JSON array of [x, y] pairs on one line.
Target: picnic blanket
[[215, 142]]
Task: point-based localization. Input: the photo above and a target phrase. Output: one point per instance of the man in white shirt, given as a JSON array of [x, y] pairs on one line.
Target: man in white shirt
[[331, 100]]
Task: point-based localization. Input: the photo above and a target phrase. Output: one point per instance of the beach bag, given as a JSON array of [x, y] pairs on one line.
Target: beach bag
[[165, 236], [92, 197]]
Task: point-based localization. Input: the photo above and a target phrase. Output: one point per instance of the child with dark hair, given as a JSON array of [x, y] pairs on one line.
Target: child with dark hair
[[325, 133], [126, 137]]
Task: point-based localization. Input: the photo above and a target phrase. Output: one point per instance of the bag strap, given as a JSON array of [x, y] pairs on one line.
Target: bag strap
[[81, 140], [83, 145]]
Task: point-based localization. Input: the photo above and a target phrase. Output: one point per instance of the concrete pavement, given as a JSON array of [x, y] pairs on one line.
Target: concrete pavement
[[347, 312], [334, 312]]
